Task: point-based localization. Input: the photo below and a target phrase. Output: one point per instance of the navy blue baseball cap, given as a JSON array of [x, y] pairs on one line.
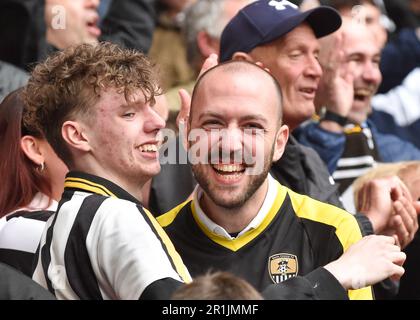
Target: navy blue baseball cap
[[266, 20]]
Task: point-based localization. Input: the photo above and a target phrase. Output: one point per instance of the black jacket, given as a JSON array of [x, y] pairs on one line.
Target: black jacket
[[129, 23], [302, 170], [11, 78], [14, 285]]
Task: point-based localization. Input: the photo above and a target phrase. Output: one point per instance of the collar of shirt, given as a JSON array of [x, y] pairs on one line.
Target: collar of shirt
[[215, 228], [86, 182], [39, 202]]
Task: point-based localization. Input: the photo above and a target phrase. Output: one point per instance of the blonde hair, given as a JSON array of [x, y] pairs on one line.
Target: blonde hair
[[408, 172]]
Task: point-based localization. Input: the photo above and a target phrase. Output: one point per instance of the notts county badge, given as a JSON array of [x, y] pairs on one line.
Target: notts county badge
[[282, 266]]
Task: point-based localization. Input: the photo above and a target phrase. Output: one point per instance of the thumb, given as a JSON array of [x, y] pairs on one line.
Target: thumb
[[184, 112]]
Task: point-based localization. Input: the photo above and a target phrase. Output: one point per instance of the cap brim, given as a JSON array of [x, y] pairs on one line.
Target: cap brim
[[323, 20]]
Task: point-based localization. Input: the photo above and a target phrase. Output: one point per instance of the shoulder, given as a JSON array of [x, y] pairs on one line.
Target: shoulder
[[168, 218], [115, 208], [392, 148], [343, 223], [101, 211]]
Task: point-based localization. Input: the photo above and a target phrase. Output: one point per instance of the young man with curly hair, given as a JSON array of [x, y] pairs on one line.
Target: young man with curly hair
[[95, 107]]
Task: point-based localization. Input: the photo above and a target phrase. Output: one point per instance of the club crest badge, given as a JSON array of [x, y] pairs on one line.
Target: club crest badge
[[282, 266]]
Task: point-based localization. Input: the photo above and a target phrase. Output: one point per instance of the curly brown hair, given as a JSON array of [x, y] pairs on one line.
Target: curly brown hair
[[68, 85]]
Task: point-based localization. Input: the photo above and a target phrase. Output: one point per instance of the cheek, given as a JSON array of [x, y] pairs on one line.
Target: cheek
[[254, 145], [111, 141], [378, 77]]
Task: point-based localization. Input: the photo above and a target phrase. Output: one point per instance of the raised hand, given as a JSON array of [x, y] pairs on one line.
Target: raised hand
[[335, 91], [185, 97]]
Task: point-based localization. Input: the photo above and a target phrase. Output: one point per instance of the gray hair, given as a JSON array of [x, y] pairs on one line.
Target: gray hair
[[207, 16]]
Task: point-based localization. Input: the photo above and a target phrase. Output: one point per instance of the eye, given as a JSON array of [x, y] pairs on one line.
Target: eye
[[356, 58], [253, 126], [295, 54], [212, 124], [376, 61], [129, 115]]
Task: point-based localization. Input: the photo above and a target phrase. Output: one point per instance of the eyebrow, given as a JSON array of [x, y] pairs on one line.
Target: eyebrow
[[125, 106], [255, 117]]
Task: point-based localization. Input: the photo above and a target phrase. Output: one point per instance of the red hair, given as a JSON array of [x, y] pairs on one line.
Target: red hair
[[20, 179]]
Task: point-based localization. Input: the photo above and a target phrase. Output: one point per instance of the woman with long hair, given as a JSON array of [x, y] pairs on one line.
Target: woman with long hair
[[32, 180]]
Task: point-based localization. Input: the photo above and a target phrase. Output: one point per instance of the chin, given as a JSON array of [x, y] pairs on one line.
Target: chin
[[358, 117], [150, 171], [229, 203]]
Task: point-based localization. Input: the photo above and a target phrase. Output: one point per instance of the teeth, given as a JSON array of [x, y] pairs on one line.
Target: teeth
[[362, 92], [308, 90], [229, 167], [148, 148]]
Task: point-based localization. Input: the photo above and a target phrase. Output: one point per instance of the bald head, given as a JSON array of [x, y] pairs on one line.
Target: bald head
[[239, 75], [234, 133]]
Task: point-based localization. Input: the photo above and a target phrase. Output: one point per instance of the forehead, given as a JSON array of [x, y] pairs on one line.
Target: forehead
[[364, 11], [360, 40], [65, 3], [236, 94], [112, 99], [301, 35]]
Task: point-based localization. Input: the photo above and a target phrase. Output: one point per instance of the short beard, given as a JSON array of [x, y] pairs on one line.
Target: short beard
[[250, 189]]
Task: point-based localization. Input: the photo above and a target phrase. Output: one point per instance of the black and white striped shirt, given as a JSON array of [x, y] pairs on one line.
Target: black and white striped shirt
[[102, 244], [20, 233], [360, 155]]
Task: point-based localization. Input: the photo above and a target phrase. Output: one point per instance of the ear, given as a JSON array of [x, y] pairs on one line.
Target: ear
[[31, 148], [281, 140], [242, 56], [75, 136], [207, 44]]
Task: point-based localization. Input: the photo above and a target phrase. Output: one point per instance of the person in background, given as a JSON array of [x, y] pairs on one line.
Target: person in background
[[32, 183], [409, 173], [32, 29], [11, 78], [168, 48], [344, 138], [219, 285], [202, 28]]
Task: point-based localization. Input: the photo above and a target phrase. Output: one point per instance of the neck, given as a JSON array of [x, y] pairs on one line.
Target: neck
[[235, 219], [133, 186], [145, 193], [54, 39], [292, 124]]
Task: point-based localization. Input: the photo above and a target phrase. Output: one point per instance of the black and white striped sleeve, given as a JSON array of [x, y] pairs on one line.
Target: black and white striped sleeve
[[131, 250]]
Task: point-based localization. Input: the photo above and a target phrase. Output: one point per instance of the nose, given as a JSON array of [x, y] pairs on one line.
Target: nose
[[371, 73], [92, 4], [313, 68], [232, 141], [153, 122]]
